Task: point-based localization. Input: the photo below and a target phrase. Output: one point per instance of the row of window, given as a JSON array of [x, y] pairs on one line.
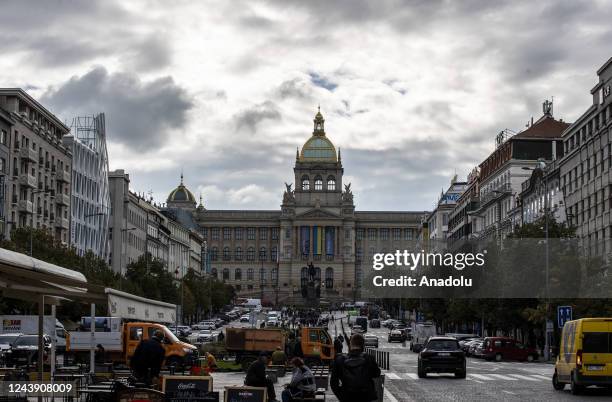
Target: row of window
[[238, 254], [588, 129], [589, 168], [238, 233], [250, 274], [590, 206], [318, 183], [395, 233]]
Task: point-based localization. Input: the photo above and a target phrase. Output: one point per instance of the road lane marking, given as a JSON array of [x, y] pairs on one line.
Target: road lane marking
[[481, 377], [508, 392], [393, 376], [524, 377], [503, 377], [390, 396], [541, 376], [412, 376]]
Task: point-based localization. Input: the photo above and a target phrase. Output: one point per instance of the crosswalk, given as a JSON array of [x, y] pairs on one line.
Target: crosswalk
[[480, 377]]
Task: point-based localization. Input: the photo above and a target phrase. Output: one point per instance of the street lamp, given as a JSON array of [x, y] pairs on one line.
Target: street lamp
[[542, 166]]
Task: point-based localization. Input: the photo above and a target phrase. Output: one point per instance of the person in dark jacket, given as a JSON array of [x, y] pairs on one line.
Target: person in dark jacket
[[338, 345], [148, 358], [352, 377], [256, 376]]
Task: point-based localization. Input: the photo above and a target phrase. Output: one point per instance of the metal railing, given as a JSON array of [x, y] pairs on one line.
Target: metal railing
[[381, 357]]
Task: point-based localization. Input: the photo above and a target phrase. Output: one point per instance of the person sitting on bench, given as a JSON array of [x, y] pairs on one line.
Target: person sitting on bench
[[256, 376], [302, 382]]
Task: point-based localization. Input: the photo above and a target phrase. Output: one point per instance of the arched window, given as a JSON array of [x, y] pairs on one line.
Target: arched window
[[304, 277], [274, 253], [250, 254], [226, 253], [238, 274], [329, 278], [250, 274], [226, 275], [214, 254], [331, 183], [274, 276], [318, 183], [262, 276], [238, 254], [262, 254], [213, 273], [305, 183]]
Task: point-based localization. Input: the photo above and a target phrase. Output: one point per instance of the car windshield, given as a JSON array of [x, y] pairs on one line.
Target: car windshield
[[8, 339], [27, 341], [442, 344]]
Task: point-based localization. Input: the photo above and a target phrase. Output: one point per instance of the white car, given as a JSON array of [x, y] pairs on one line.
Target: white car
[[245, 318], [272, 322]]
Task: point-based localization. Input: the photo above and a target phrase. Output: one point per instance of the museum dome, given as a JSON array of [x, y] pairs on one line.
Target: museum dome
[[181, 194], [318, 148]]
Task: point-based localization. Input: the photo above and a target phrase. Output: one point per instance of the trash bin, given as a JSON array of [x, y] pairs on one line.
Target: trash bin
[[379, 385]]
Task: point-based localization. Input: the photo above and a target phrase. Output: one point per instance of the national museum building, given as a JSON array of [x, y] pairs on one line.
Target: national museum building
[[266, 253]]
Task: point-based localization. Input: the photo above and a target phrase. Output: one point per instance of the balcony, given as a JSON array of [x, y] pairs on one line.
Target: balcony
[[62, 176], [63, 199], [61, 223], [27, 179], [29, 154], [25, 206]]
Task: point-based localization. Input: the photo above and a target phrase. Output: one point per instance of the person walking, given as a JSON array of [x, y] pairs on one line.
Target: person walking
[[352, 377], [302, 382], [338, 344], [148, 358], [256, 376]]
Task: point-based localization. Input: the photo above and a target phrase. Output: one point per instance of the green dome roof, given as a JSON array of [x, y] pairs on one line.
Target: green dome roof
[[318, 147], [181, 194]]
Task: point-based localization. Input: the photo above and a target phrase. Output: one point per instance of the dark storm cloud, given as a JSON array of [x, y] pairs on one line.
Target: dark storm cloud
[[141, 114], [252, 117], [322, 81]]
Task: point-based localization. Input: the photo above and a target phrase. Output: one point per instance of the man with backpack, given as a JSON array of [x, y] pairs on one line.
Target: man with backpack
[[352, 377]]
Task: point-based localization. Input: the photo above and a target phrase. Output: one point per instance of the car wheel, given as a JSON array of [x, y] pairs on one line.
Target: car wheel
[[556, 384], [575, 388], [498, 357], [420, 372], [530, 358]]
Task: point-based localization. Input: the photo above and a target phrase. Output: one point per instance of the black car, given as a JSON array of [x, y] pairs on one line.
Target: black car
[[25, 349], [442, 354], [396, 335], [375, 323]]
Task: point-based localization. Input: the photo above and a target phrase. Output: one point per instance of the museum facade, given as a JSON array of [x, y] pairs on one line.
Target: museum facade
[[266, 253]]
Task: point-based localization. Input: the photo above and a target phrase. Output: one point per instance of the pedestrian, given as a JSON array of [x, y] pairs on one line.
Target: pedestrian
[[148, 358], [279, 358], [352, 377], [297, 349], [338, 345], [211, 362], [100, 354], [221, 337], [256, 376], [302, 382]]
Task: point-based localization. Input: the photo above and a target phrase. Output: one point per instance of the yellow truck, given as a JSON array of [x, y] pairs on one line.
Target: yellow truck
[[120, 345], [247, 343], [585, 354]]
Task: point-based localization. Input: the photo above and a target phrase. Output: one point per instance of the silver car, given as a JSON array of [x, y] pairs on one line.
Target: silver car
[[371, 341]]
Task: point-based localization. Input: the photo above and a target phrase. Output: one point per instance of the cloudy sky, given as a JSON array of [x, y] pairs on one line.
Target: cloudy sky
[[412, 91]]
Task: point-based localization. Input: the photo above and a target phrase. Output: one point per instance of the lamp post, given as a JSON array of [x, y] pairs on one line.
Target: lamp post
[[547, 331]]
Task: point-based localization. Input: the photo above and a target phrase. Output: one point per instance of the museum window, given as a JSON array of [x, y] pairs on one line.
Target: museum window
[[238, 233], [371, 234], [288, 233], [397, 234], [384, 234], [274, 276], [262, 276], [331, 183], [262, 254], [359, 234], [250, 233], [274, 233], [305, 183], [214, 254], [238, 274], [359, 254], [329, 278], [227, 233], [215, 233], [226, 254], [407, 234], [274, 254], [251, 254], [226, 274], [263, 233], [318, 185], [213, 272], [238, 254], [250, 274]]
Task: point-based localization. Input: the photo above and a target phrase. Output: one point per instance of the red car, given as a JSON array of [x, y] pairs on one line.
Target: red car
[[502, 348]]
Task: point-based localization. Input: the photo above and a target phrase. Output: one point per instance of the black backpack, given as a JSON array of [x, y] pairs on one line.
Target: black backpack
[[355, 375]]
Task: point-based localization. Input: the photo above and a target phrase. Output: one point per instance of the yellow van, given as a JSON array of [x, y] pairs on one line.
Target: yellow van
[[585, 354]]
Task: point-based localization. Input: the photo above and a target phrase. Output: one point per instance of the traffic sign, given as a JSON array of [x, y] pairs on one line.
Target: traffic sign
[[564, 314], [420, 317]]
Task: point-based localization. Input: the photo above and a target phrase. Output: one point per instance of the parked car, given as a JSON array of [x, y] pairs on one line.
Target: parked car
[[502, 348], [245, 318], [442, 354], [466, 344], [395, 335], [272, 322], [356, 329], [477, 349], [375, 323], [24, 350], [371, 341]]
